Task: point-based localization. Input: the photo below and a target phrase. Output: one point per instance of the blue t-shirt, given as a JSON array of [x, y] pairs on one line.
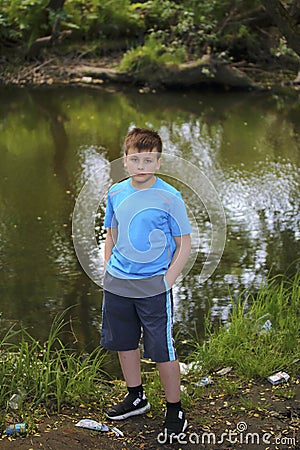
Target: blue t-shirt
[[147, 221]]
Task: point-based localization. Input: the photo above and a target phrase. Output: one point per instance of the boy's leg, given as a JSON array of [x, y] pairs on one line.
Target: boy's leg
[[156, 316], [170, 379], [135, 402], [130, 365], [175, 421]]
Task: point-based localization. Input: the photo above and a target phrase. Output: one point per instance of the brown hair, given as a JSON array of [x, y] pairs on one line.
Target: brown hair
[[143, 139]]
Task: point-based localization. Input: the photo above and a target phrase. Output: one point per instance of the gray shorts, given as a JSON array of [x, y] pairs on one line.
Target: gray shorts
[[126, 319]]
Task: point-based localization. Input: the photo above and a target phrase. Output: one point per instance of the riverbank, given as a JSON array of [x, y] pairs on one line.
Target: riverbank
[[78, 69], [226, 390], [230, 413]]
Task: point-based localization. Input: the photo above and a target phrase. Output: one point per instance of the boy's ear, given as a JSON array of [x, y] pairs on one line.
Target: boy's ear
[[159, 161], [125, 160]]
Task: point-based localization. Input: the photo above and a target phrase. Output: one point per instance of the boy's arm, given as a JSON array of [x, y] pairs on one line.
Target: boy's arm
[[110, 241], [179, 260]]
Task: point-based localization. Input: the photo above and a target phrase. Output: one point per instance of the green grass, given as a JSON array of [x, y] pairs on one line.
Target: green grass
[[244, 345], [47, 374]]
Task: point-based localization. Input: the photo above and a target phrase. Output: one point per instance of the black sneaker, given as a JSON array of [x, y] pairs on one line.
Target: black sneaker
[[175, 422], [130, 406]]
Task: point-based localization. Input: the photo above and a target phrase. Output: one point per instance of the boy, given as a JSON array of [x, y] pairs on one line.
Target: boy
[[147, 245]]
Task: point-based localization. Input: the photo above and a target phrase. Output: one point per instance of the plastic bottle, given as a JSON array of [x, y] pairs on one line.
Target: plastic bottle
[[15, 401]]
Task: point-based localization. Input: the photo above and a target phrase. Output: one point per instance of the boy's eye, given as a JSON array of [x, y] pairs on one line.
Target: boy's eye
[[148, 161]]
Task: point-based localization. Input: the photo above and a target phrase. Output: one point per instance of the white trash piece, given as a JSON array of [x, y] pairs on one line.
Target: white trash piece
[[224, 371], [278, 378], [190, 367], [91, 425], [117, 431]]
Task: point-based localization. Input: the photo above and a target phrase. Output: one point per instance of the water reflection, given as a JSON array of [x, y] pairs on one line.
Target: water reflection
[[52, 142]]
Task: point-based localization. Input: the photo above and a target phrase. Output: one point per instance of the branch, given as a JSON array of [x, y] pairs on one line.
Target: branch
[[285, 22], [238, 17]]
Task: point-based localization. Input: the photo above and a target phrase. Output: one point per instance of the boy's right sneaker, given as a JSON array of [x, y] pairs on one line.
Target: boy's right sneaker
[[130, 406], [175, 422]]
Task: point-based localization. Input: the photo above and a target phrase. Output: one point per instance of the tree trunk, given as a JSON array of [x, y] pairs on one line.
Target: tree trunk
[[40, 43], [285, 22]]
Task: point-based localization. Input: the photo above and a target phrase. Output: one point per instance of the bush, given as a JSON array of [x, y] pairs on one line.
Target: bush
[[23, 19], [152, 57]]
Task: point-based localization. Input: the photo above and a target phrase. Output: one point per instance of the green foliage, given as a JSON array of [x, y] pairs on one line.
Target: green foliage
[[96, 18], [28, 19], [227, 27], [245, 345], [157, 14], [152, 56], [197, 27], [22, 19], [282, 49], [174, 23], [49, 373]]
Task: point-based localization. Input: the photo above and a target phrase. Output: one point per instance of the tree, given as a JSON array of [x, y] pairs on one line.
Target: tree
[[285, 21]]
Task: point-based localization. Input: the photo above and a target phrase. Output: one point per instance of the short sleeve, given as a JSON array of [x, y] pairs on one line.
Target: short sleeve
[[109, 219]]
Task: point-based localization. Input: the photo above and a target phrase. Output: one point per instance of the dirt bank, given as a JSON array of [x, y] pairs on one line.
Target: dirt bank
[[103, 71], [252, 416]]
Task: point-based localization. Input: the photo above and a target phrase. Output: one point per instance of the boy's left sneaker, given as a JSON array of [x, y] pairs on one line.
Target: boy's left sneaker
[[175, 422], [130, 406]]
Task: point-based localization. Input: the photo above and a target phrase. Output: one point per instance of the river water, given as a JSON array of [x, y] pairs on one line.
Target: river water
[[51, 143]]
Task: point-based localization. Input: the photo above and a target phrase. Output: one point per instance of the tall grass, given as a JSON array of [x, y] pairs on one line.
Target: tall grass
[[244, 344], [48, 373]]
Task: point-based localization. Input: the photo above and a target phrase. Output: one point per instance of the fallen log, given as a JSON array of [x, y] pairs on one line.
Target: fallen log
[[100, 73], [210, 72], [206, 71]]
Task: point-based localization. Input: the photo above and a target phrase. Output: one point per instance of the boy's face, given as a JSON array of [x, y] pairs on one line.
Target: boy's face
[[141, 167]]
